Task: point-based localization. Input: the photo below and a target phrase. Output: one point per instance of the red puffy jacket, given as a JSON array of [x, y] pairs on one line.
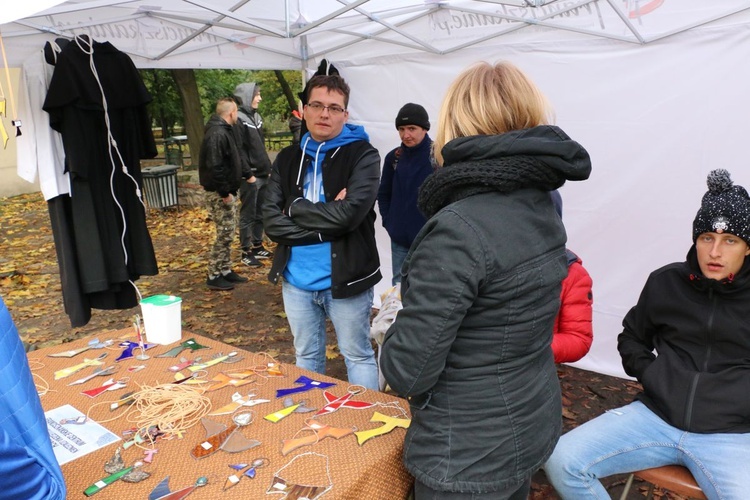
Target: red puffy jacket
[[573, 332]]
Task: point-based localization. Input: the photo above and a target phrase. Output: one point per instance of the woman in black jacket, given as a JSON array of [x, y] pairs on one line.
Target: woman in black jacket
[[471, 347]]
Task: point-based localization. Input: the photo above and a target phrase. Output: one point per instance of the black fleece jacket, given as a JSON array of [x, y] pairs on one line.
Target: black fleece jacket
[[699, 378]]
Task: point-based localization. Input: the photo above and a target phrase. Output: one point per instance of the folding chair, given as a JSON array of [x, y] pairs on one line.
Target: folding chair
[[674, 478]]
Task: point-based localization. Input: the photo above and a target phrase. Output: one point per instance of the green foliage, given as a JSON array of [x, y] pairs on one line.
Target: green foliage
[[274, 102], [213, 84], [165, 109]]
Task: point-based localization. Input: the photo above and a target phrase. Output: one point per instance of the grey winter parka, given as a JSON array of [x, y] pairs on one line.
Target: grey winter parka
[[471, 346]]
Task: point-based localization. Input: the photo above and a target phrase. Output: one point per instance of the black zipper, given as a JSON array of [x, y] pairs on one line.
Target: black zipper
[[707, 357]]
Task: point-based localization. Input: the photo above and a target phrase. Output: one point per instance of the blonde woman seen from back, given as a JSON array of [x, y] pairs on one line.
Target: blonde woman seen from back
[[481, 288]]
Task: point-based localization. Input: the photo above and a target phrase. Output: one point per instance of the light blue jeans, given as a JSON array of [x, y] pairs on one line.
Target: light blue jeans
[[307, 311], [633, 438], [398, 256]]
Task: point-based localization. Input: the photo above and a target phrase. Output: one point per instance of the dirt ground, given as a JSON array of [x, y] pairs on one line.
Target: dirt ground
[[251, 316]]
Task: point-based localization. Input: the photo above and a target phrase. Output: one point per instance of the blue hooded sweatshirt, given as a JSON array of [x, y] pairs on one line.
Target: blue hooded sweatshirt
[[309, 266]]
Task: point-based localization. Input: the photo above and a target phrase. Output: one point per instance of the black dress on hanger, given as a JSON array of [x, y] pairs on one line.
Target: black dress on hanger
[[104, 201]]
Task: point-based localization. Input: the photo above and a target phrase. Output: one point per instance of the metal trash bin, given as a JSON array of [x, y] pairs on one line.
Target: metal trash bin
[[160, 186], [173, 150], [173, 156]]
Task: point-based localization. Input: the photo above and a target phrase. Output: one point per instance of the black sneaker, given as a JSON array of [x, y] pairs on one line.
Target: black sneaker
[[249, 260], [219, 283], [233, 277], [261, 253]]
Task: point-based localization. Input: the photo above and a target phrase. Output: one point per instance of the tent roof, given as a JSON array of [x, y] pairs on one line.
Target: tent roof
[[285, 34]]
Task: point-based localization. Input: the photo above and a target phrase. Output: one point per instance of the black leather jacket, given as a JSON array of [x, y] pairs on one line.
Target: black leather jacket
[[349, 224], [219, 168]]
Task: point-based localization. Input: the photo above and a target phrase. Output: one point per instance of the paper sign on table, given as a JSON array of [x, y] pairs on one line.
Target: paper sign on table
[[73, 440]]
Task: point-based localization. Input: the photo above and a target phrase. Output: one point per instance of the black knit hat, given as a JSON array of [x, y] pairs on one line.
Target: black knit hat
[[725, 208], [413, 114]]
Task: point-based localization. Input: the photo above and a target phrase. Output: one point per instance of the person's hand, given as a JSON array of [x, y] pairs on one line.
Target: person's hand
[[252, 180], [228, 198], [341, 195]]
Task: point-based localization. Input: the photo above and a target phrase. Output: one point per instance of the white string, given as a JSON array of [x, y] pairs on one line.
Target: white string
[[328, 469], [302, 160], [394, 405], [315, 188], [55, 49], [140, 297], [87, 47]]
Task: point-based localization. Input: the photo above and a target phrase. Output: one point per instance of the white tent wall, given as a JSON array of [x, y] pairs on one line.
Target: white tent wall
[[655, 119]]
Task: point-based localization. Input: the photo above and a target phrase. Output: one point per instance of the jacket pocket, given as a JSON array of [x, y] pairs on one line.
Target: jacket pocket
[[420, 401]]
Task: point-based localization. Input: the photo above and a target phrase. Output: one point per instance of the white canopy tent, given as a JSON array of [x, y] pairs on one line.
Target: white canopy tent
[[655, 90], [286, 34]]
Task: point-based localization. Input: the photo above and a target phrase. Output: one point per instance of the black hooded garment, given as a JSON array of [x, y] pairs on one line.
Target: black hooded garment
[[96, 259]]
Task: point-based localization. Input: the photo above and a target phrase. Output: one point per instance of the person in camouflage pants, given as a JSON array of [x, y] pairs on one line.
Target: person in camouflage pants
[[224, 216], [220, 173]]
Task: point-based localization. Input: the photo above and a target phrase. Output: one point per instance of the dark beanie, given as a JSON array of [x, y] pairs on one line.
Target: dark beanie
[[413, 114], [725, 208]]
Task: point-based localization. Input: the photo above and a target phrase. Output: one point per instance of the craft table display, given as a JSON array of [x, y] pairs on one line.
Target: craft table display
[[331, 460]]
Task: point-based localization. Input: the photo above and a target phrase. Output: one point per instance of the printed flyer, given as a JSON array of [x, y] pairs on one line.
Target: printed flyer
[[73, 436]]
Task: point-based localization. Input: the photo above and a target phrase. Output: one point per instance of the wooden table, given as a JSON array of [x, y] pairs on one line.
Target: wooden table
[[373, 470]]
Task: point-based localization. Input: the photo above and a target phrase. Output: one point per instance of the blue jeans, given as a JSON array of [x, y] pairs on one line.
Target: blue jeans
[[307, 311], [633, 438], [398, 256]]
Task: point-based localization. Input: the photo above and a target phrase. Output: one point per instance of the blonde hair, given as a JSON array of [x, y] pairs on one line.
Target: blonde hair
[[489, 100]]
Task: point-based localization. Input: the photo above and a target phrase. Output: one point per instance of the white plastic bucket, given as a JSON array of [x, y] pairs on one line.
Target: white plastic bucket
[[162, 319]]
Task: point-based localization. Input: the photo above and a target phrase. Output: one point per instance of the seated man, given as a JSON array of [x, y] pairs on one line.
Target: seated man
[[694, 410], [27, 463]]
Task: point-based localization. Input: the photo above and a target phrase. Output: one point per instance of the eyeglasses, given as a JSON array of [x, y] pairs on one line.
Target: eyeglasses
[[317, 107]]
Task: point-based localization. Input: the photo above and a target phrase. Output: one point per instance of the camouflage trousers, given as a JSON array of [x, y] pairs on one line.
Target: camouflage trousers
[[224, 216]]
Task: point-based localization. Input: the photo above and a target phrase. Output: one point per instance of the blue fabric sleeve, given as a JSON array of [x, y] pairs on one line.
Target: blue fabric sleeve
[[28, 466]]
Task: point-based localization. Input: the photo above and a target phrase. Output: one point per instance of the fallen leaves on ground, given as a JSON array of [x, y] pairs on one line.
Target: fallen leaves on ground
[[30, 282], [332, 351]]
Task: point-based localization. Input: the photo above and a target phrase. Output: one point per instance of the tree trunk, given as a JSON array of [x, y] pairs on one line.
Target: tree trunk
[[191, 109], [290, 97]]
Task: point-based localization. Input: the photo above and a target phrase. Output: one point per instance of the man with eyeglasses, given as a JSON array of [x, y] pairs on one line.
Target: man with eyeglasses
[[319, 208]]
